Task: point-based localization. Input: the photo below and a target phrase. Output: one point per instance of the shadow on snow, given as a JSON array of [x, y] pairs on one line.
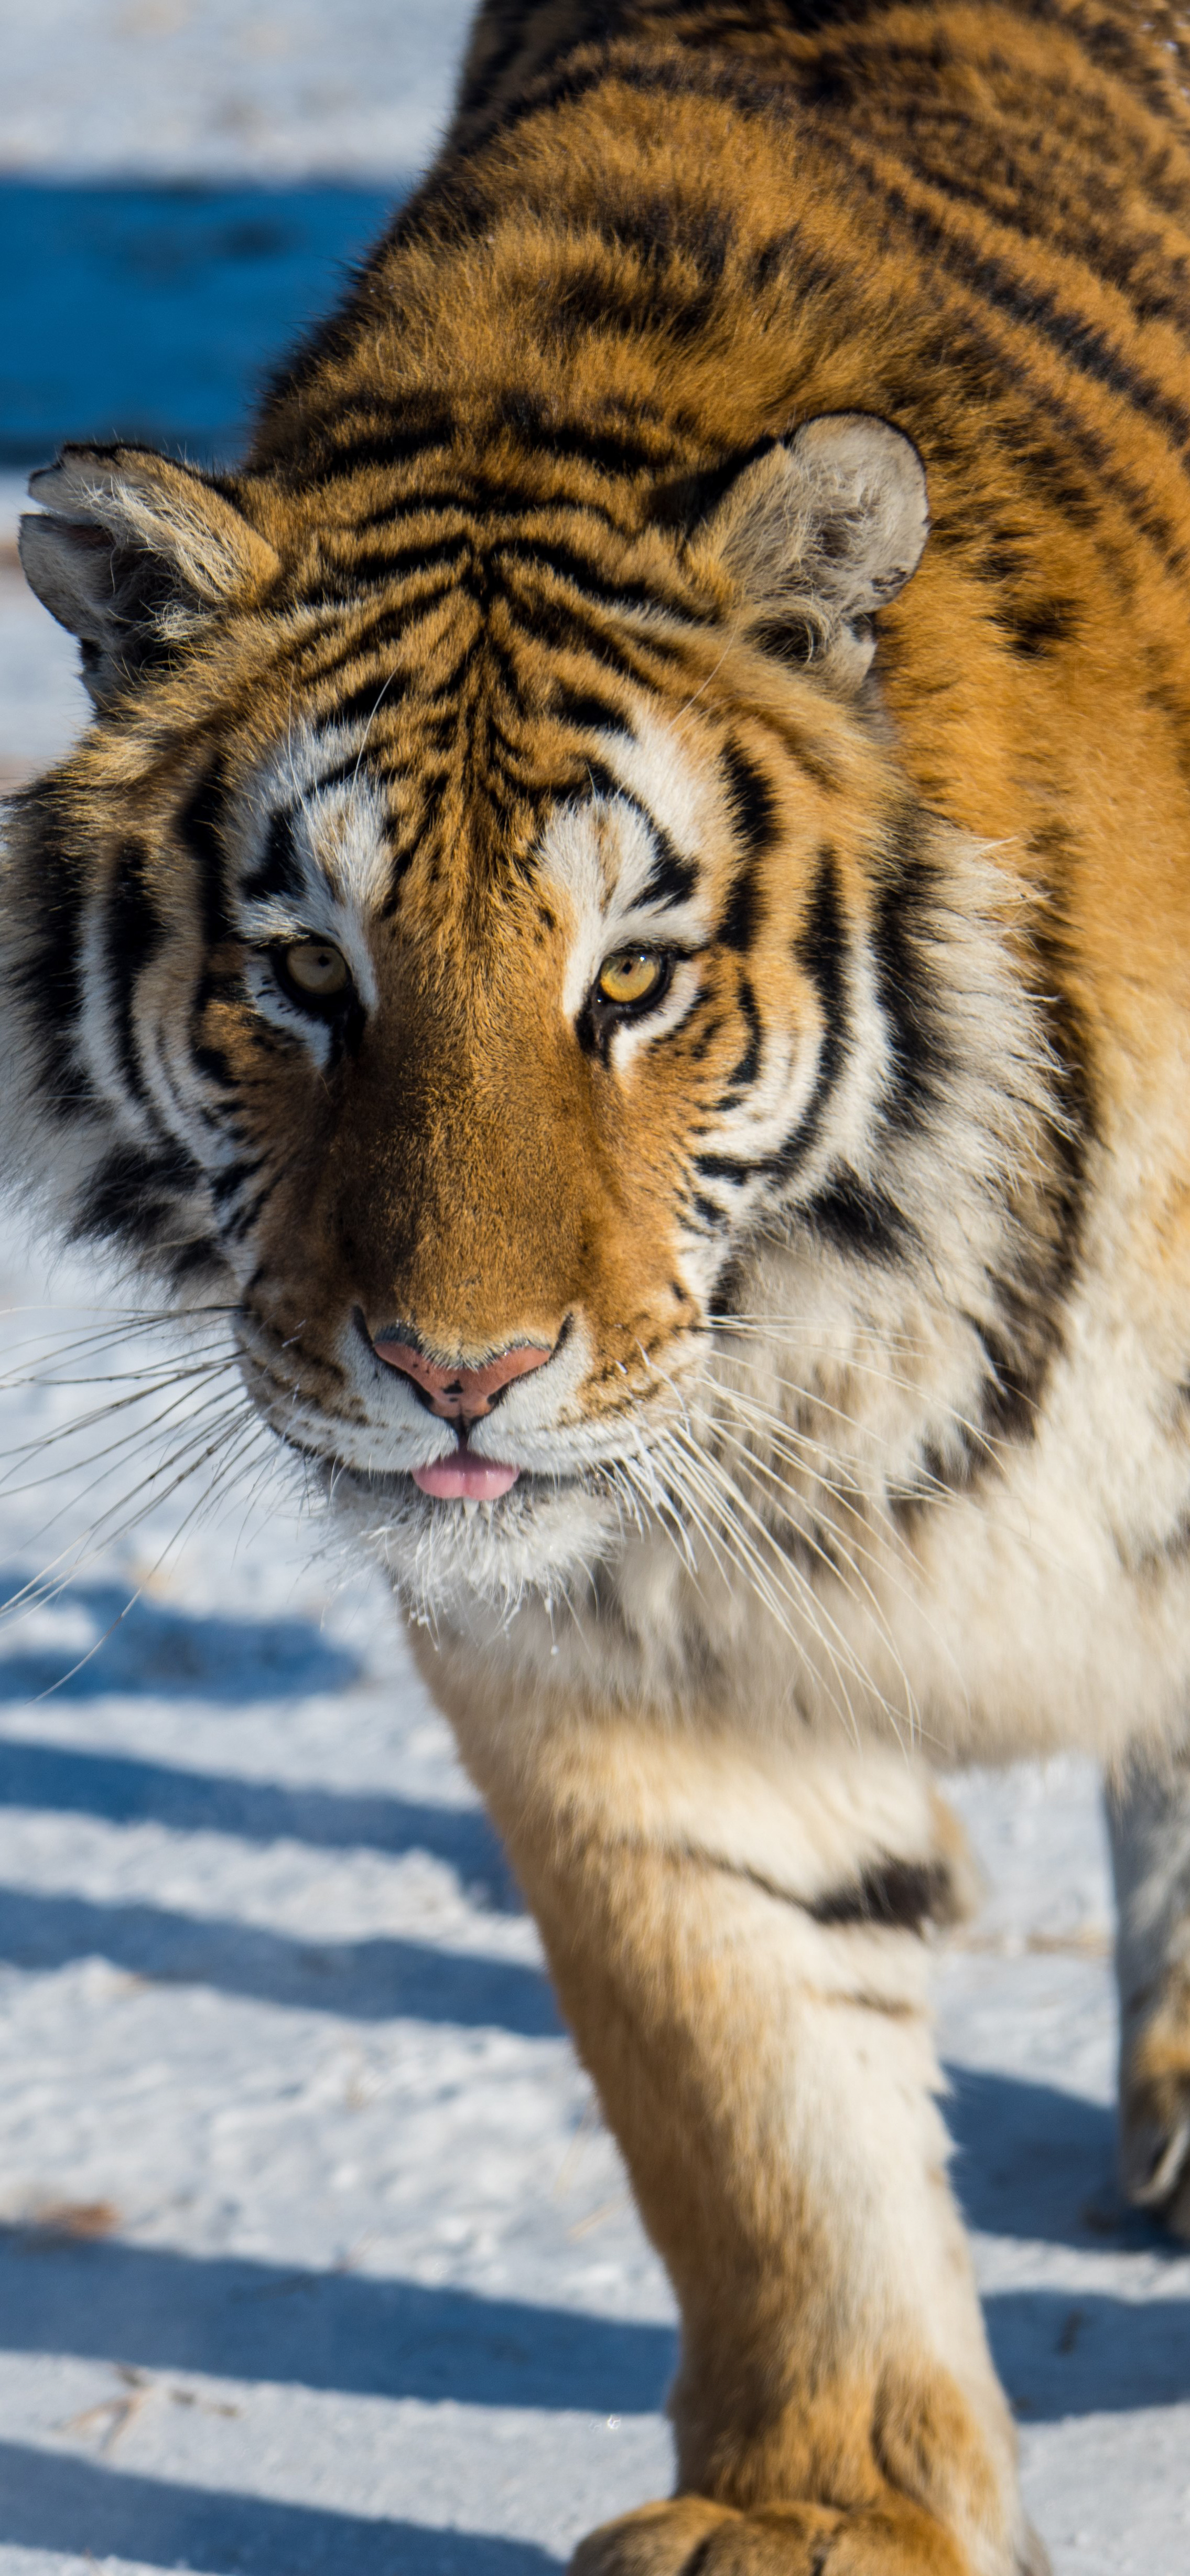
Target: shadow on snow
[[124, 1790], [382, 1978], [1038, 2163], [1060, 2353], [50, 2501], [240, 2319], [153, 1647]]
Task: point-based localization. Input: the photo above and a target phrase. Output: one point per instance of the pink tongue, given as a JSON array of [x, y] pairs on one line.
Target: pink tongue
[[465, 1479]]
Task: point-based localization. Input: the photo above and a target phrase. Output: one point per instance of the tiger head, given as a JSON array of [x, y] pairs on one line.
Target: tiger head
[[483, 928]]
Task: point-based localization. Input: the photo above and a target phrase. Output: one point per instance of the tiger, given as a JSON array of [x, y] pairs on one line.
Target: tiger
[[623, 913]]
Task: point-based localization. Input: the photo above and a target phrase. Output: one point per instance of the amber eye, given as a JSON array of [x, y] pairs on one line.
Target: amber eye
[[631, 977], [313, 973]]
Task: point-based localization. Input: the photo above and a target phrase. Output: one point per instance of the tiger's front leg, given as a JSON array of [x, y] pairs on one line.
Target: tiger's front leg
[[738, 1958]]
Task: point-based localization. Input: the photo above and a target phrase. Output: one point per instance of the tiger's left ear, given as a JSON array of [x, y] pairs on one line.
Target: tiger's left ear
[[818, 533], [134, 554]]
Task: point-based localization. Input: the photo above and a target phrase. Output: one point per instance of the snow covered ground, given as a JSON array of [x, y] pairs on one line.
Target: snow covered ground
[[314, 2255], [226, 88]]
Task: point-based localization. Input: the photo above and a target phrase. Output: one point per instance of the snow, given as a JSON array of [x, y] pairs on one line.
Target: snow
[[217, 88], [42, 701], [313, 2250]]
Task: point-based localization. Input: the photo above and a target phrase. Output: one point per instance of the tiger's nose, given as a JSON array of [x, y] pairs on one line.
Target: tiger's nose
[[460, 1394]]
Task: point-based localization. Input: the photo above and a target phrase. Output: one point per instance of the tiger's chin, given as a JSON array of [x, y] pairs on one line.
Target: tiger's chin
[[445, 1558]]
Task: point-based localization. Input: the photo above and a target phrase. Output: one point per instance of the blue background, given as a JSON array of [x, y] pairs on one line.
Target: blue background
[[156, 312]]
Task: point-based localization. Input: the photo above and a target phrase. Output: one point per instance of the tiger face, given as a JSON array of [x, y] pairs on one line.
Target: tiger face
[[481, 957]]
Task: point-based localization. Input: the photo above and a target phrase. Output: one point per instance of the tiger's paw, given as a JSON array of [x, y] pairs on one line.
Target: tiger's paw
[[690, 2536], [1155, 2101], [1155, 2148]]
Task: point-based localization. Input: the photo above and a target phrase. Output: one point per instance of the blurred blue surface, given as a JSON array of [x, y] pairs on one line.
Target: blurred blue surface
[[156, 312]]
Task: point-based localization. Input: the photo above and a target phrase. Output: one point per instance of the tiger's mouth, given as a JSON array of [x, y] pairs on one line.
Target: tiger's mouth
[[464, 1475]]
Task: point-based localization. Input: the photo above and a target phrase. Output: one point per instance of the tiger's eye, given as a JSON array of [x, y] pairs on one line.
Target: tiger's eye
[[630, 977], [316, 969]]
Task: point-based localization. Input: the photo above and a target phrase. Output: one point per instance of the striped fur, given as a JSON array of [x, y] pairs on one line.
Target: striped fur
[[572, 601]]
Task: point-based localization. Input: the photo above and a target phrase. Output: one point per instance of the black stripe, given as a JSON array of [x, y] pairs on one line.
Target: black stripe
[[754, 820], [278, 871], [199, 828], [564, 563], [702, 1046], [605, 783], [211, 1061], [671, 879], [724, 1167], [709, 75], [905, 980], [745, 1070], [132, 936], [394, 624], [241, 1223], [195, 1264], [586, 712], [1009, 1391], [666, 225], [1120, 259], [476, 491], [743, 913], [503, 663], [1086, 350], [133, 1196], [750, 797], [969, 361], [821, 944], [571, 626], [901, 1895], [1034, 629], [226, 1183], [51, 977], [326, 460], [367, 699], [857, 1221], [341, 584], [821, 950], [596, 293], [712, 1219], [344, 774], [343, 644], [610, 451]]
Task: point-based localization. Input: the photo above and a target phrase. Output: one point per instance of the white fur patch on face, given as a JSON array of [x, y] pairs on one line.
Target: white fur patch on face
[[332, 873]]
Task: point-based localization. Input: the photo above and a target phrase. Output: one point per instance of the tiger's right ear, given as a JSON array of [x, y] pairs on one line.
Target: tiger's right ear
[[134, 554], [819, 532]]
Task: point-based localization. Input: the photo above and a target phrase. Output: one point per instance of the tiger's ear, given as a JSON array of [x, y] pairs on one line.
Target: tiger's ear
[[818, 533], [134, 553]]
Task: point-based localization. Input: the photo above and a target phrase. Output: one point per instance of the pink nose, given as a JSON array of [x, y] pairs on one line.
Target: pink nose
[[458, 1393]]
